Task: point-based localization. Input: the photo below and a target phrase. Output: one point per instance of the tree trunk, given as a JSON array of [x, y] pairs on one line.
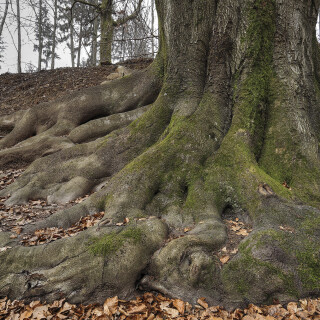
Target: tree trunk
[[19, 35], [106, 32], [4, 17], [152, 27], [40, 40], [54, 32], [95, 40], [232, 132], [79, 46], [71, 41]]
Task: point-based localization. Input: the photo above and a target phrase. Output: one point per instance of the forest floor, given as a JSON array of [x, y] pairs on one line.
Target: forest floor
[[22, 91]]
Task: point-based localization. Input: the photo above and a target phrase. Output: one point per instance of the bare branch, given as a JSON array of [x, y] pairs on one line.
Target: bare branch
[[85, 3], [132, 16], [4, 16]]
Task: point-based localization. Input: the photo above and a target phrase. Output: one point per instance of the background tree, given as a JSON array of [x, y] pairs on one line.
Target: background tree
[[54, 33], [226, 123], [19, 36], [106, 10], [3, 19], [134, 38]]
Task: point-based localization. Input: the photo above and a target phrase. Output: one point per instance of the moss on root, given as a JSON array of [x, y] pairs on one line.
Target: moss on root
[[112, 242]]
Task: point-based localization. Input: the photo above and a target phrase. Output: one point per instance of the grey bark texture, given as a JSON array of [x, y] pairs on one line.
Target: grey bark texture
[[19, 37], [227, 118], [54, 36]]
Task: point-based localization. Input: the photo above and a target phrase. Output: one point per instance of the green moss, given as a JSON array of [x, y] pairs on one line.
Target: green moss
[[254, 92], [246, 274], [110, 243], [302, 247], [311, 224]]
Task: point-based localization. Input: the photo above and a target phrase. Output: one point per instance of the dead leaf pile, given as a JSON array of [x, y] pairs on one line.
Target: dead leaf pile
[[51, 234], [237, 230], [13, 218], [9, 176], [152, 307]]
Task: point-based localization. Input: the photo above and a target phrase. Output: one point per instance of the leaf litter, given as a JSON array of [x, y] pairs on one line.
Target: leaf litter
[[155, 307]]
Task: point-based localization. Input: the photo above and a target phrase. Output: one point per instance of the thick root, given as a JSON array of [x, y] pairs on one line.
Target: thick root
[[47, 143], [68, 112], [75, 171], [93, 257]]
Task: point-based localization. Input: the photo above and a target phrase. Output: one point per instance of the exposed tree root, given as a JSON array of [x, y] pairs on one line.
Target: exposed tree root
[[48, 125], [205, 146]]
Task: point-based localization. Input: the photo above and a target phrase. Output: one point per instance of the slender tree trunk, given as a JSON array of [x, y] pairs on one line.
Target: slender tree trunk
[[95, 40], [106, 32], [152, 27], [54, 33], [40, 40], [4, 17], [19, 36], [79, 46], [72, 41]]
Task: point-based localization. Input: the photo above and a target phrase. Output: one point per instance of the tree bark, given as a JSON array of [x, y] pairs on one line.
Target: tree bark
[[106, 32], [79, 46], [152, 27], [232, 132], [4, 17], [40, 40], [71, 40], [19, 36], [54, 32], [95, 40]]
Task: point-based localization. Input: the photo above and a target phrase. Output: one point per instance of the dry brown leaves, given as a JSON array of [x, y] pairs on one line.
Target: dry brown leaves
[[51, 234], [237, 230], [152, 307], [9, 176], [13, 218]]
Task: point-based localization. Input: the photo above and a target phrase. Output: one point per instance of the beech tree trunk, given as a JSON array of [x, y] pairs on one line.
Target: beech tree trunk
[[19, 37], [95, 40], [106, 32], [79, 46], [40, 40], [54, 34], [72, 40], [229, 128], [3, 20]]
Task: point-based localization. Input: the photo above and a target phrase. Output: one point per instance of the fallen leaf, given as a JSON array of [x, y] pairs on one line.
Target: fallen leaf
[[179, 305], [292, 307], [111, 305], [202, 302], [235, 228], [174, 313], [224, 259], [242, 232], [142, 308]]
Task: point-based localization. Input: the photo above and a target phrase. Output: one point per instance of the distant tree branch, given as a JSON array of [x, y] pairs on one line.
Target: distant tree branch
[[132, 16], [85, 3]]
